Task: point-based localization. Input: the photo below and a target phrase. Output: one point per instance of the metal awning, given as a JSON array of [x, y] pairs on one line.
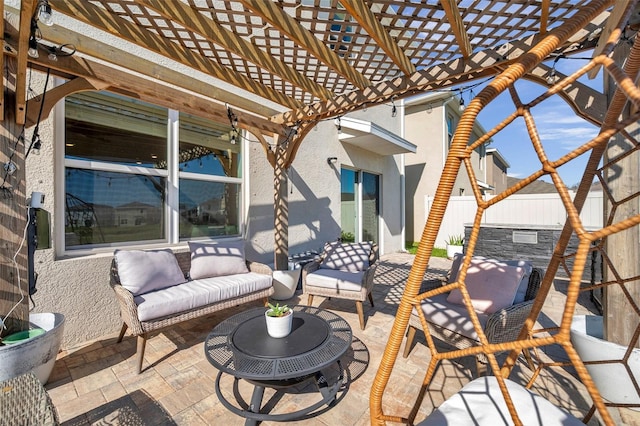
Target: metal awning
[[370, 136]]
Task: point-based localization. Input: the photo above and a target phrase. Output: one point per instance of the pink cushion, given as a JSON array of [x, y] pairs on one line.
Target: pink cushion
[[491, 286]]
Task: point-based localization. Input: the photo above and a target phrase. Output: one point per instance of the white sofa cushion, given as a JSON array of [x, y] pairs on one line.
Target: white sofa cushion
[[217, 259], [491, 285], [198, 293], [452, 317], [352, 257], [480, 402], [336, 279], [142, 271]]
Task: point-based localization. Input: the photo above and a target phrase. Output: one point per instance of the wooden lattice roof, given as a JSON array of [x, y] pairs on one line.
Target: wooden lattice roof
[[316, 58]]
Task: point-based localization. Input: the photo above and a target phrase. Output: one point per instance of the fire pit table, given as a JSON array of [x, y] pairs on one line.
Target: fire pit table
[[240, 346]]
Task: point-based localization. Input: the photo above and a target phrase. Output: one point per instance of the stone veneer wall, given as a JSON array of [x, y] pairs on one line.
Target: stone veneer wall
[[535, 243]]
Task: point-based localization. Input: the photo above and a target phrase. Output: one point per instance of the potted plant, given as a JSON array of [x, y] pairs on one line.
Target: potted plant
[[454, 245], [279, 320]]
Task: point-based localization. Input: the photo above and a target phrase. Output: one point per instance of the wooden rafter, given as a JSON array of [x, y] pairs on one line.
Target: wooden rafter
[[99, 50], [544, 16], [97, 17], [457, 26], [27, 8], [286, 24], [152, 91], [2, 62], [366, 18], [480, 64], [216, 33], [612, 23]]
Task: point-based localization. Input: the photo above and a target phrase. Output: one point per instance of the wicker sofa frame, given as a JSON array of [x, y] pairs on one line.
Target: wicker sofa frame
[[502, 326], [359, 296], [142, 329]]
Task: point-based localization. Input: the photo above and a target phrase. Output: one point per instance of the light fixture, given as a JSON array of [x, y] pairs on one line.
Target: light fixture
[[339, 126], [33, 47], [551, 77], [461, 106], [394, 110], [37, 145], [44, 13], [233, 139], [331, 160]]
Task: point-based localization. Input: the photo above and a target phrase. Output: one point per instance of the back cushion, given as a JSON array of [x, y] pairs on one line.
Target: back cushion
[[142, 271], [492, 286], [217, 259], [352, 257]]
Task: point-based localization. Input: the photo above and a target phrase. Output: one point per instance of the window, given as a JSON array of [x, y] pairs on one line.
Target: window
[[125, 173], [450, 129]]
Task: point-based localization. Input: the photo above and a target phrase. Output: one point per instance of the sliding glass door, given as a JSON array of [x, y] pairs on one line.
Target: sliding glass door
[[360, 205]]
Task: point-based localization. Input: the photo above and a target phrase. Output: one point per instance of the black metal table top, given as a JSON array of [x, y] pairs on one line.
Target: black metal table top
[[241, 346]]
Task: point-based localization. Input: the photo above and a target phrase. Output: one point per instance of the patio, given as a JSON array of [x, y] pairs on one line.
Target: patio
[[97, 381]]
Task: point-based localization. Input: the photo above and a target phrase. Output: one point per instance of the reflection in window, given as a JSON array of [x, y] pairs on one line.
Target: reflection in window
[[208, 209], [107, 208]]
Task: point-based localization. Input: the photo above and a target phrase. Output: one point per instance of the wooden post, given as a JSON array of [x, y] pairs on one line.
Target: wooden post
[[281, 210], [14, 287], [620, 320]]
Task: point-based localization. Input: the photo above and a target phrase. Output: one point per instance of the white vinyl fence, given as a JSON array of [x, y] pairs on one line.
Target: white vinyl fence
[[528, 209]]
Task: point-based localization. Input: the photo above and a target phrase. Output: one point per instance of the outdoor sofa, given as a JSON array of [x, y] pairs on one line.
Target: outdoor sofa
[[158, 288]]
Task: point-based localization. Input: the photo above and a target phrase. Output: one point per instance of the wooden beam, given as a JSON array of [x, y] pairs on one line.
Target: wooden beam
[[367, 19], [2, 62], [137, 87], [233, 43], [619, 9], [89, 46], [457, 26], [286, 24], [97, 17], [56, 94], [544, 16], [27, 8], [586, 102]]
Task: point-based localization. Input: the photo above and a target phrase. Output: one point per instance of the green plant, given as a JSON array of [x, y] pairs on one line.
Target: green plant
[[277, 310], [347, 237], [436, 252], [455, 240]]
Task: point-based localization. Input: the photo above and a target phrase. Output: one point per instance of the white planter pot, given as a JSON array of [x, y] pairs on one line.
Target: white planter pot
[[453, 250], [611, 379], [37, 354], [279, 327], [285, 283]]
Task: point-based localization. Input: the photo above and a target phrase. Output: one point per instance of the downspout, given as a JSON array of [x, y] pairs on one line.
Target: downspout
[[403, 195]]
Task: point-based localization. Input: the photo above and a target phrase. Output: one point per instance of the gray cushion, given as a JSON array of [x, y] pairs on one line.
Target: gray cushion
[[198, 293], [142, 271], [217, 259], [352, 257], [480, 402], [450, 316], [521, 292], [336, 279]]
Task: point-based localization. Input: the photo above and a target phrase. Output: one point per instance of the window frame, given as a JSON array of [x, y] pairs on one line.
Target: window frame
[[171, 174]]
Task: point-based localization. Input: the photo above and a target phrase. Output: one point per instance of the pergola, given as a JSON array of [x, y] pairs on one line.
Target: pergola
[[312, 60]]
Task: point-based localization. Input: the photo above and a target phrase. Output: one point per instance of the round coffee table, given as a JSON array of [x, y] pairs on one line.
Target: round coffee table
[[241, 347]]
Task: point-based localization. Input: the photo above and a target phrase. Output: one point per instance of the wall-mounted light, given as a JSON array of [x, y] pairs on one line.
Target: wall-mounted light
[[331, 160]]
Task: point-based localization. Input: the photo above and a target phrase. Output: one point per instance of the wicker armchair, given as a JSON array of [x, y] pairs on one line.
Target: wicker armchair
[[320, 280], [502, 326]]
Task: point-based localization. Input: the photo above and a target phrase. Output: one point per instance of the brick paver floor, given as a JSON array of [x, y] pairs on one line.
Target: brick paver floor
[[96, 383]]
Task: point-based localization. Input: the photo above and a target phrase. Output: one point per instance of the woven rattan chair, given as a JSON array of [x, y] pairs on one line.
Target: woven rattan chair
[[502, 326], [322, 277]]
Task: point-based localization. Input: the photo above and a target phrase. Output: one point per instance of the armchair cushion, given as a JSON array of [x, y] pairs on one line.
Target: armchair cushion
[[142, 271], [491, 285], [336, 279], [352, 257], [217, 259], [452, 317]]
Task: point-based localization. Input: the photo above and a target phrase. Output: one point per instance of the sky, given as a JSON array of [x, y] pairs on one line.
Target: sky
[[560, 130]]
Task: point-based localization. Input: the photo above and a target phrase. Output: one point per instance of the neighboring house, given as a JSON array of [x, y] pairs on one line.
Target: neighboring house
[[430, 122]]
